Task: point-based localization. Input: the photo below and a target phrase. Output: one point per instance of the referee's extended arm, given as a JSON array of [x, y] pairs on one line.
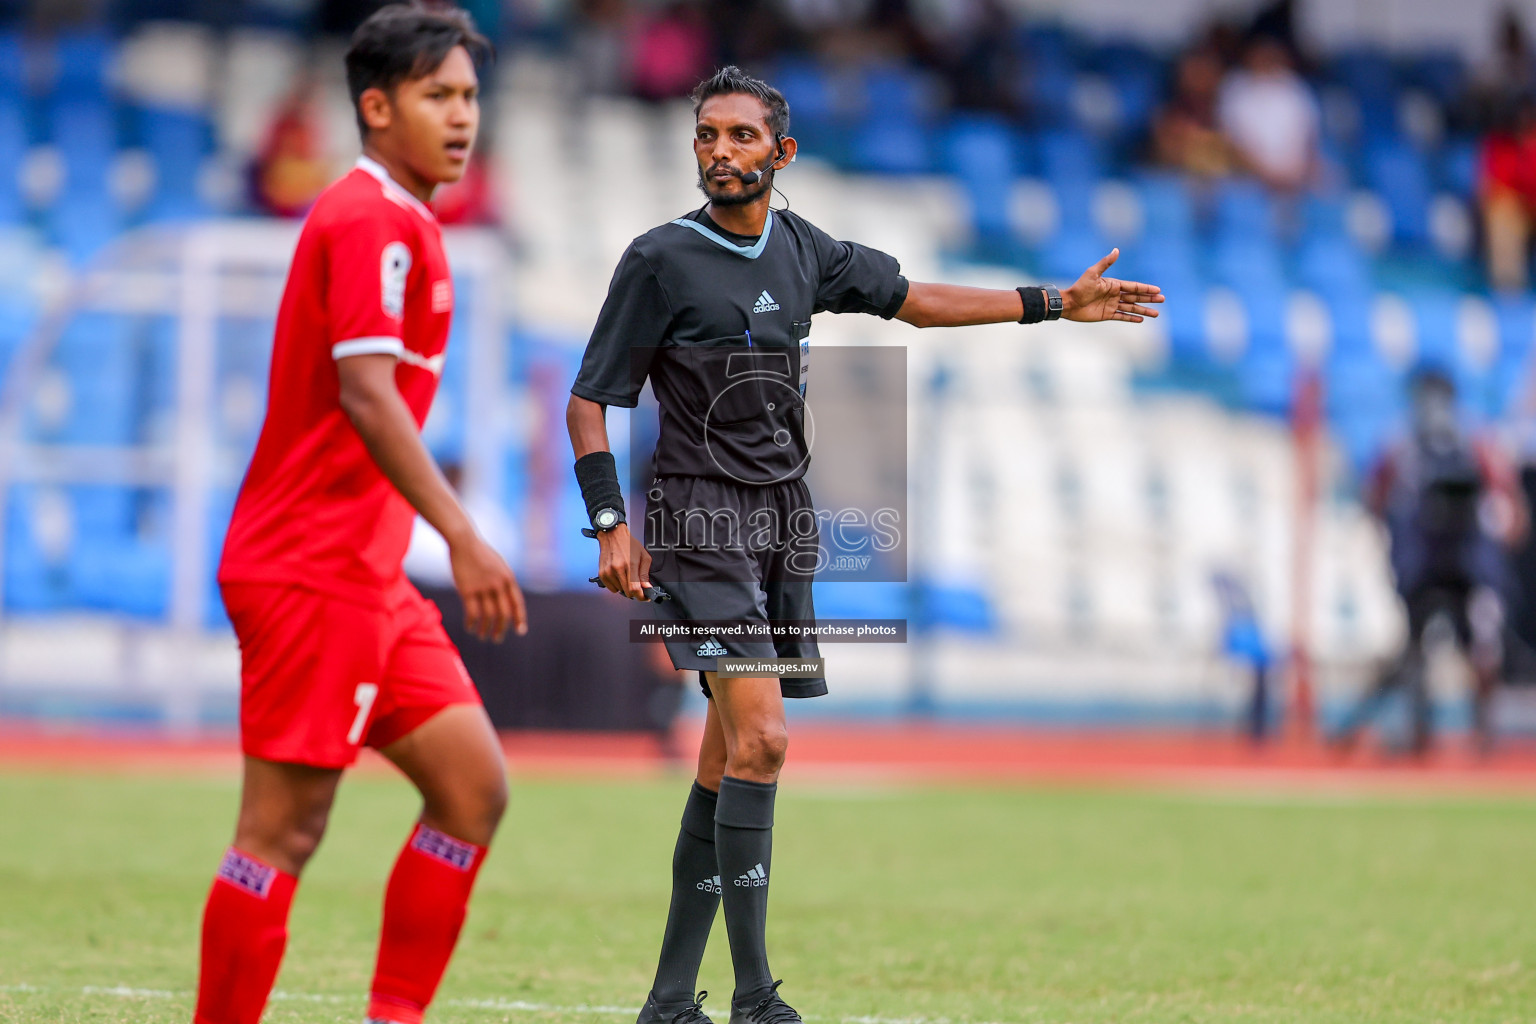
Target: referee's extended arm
[[624, 566], [1094, 297]]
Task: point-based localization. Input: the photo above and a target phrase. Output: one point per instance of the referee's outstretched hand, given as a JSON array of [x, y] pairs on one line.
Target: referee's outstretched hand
[[623, 564], [1095, 297], [492, 599]]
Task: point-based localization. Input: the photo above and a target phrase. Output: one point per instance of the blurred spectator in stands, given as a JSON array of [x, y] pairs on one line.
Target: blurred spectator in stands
[[1270, 115], [293, 163], [1185, 134], [747, 33], [1503, 81], [970, 43], [1243, 643], [670, 53], [1454, 511], [600, 45], [1507, 196]]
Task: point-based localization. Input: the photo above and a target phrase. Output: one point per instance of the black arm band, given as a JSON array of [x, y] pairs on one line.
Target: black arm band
[[1034, 303], [598, 476]]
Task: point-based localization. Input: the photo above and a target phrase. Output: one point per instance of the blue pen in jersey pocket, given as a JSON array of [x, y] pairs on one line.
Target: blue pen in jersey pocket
[[749, 339]]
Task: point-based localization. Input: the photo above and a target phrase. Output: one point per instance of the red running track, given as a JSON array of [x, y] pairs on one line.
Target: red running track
[[894, 753]]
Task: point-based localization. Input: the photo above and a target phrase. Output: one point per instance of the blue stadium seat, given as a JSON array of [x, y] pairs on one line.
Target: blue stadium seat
[[893, 135], [1328, 260], [36, 578], [1072, 164], [1459, 166], [814, 101], [979, 151], [1372, 82], [1245, 211], [84, 225], [1514, 367], [179, 142], [13, 148], [1398, 173], [82, 59], [1443, 74], [1435, 312], [1167, 210], [1268, 368], [124, 575], [1074, 248], [85, 132]]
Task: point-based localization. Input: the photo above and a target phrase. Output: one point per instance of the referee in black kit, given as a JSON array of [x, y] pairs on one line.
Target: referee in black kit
[[715, 308]]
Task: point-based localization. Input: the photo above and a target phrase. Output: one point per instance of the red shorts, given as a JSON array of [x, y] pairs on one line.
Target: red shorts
[[321, 677]]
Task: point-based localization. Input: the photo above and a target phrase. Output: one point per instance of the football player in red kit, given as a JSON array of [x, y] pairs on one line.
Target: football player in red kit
[[338, 651]]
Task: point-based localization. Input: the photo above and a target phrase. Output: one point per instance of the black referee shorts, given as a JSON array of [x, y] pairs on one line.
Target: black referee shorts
[[738, 553]]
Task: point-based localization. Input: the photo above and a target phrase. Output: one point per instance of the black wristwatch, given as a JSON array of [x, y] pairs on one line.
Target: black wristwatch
[[604, 520], [1052, 302]]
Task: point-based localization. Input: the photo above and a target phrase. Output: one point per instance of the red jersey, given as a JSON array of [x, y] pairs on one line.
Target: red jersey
[[369, 276]]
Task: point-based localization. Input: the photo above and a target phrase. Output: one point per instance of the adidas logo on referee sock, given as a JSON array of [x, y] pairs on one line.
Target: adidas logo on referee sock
[[765, 303], [754, 878], [709, 885], [711, 648]]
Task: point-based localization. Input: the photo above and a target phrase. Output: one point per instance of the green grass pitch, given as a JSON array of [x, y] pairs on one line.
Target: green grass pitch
[[952, 903]]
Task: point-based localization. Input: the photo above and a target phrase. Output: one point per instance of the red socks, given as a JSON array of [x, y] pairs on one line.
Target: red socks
[[245, 927], [424, 909]]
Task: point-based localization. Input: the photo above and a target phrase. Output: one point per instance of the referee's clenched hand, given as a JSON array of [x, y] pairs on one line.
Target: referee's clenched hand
[[623, 565]]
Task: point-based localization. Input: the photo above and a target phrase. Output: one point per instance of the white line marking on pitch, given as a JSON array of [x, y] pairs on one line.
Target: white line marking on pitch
[[128, 992]]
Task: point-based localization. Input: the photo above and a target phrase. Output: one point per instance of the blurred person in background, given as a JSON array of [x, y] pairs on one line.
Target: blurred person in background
[[338, 650], [1453, 510], [293, 164], [691, 303], [1244, 645], [670, 52], [1185, 134], [1270, 116], [1506, 78], [1507, 195]]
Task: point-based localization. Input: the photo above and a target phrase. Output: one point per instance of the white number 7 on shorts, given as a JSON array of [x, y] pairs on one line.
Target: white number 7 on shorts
[[366, 694]]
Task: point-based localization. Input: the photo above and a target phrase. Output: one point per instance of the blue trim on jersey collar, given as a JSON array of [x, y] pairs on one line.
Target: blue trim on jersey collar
[[751, 252]]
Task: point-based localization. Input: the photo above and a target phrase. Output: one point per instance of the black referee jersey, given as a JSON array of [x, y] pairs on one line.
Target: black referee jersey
[[720, 323]]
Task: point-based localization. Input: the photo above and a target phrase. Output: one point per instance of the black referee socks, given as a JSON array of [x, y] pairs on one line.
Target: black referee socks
[[744, 847], [695, 899]]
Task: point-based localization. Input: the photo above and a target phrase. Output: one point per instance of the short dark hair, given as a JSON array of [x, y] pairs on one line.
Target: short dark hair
[[731, 79], [406, 41]]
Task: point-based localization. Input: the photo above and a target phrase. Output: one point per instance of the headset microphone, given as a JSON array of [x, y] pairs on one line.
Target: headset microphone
[[753, 177]]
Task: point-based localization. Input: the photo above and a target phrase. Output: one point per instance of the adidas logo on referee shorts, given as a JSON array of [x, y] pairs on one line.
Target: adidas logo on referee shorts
[[711, 648]]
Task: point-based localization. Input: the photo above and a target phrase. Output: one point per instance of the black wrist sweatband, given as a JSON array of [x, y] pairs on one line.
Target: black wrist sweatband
[[598, 476], [1034, 303]]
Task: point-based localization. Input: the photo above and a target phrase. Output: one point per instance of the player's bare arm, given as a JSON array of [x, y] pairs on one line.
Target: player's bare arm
[[1091, 299], [623, 564], [493, 601]]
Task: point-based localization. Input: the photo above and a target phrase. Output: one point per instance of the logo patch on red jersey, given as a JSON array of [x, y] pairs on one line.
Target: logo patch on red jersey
[[442, 295], [451, 851], [247, 873], [432, 364], [393, 268]]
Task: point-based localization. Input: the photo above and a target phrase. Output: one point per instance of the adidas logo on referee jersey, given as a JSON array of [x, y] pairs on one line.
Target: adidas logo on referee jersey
[[754, 878], [765, 303], [711, 648]]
